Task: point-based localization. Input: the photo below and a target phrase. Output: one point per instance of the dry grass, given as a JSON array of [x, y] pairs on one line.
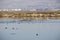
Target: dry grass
[[30, 15]]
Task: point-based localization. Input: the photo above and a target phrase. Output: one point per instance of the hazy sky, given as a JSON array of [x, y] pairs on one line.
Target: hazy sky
[[29, 4]]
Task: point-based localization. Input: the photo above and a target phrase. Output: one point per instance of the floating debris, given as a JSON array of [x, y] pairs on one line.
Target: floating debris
[[36, 34], [5, 27]]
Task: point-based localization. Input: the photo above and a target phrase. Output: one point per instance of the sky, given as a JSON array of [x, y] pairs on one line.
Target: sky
[[29, 4]]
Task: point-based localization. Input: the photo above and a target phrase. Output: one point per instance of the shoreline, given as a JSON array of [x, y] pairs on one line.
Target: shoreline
[[31, 15]]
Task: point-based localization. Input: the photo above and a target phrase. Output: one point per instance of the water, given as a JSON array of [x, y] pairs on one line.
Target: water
[[30, 4], [29, 31]]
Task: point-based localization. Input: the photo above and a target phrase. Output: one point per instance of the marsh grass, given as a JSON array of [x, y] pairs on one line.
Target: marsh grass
[[30, 15]]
